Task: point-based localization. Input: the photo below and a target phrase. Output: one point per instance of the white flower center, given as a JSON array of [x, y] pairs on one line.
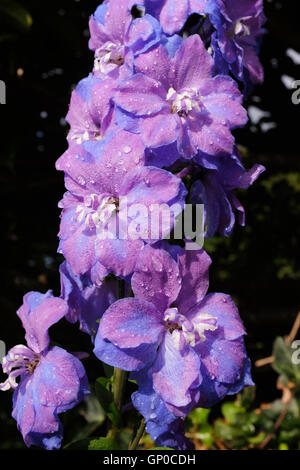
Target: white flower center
[[108, 57], [185, 102], [96, 210], [81, 136], [184, 331], [239, 28], [20, 360]]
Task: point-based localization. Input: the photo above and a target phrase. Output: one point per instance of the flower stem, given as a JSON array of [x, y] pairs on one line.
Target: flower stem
[[120, 378], [134, 443]]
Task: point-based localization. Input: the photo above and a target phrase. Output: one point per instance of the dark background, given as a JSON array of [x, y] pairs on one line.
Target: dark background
[[258, 265]]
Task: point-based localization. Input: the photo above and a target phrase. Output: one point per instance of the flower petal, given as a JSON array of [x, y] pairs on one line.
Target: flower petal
[[156, 278], [193, 269], [130, 359], [38, 313], [60, 380], [222, 307], [141, 96], [175, 373], [193, 64], [117, 255], [128, 323]]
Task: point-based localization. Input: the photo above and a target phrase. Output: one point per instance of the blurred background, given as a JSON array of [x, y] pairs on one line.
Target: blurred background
[[44, 53]]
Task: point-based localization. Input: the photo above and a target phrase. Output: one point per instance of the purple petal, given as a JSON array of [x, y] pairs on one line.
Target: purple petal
[[60, 380], [79, 248], [150, 405], [156, 278], [57, 384], [193, 64], [253, 65], [156, 64], [226, 109], [173, 15], [130, 359], [128, 323], [176, 373], [226, 360], [120, 11], [160, 129], [211, 136], [194, 272], [103, 165], [118, 256], [38, 313], [222, 307], [144, 33], [141, 95], [87, 302]]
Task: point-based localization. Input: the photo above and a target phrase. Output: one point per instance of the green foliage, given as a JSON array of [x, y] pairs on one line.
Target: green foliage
[[283, 364], [106, 399], [102, 443], [274, 425]]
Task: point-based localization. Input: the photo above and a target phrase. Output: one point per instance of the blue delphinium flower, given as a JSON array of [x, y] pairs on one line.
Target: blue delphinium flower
[[190, 343], [51, 380]]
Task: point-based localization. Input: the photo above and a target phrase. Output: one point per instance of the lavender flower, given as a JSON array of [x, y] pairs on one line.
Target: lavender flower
[[51, 380], [191, 343], [238, 26], [104, 175], [116, 38], [172, 14], [178, 100], [87, 300], [215, 189]]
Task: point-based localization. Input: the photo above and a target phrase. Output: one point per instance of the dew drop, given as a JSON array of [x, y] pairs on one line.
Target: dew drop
[[81, 180], [127, 149]]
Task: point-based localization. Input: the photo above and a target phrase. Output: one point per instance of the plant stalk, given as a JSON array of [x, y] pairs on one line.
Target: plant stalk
[[134, 443]]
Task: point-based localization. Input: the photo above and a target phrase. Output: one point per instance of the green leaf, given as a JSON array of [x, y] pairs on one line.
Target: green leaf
[[257, 439], [93, 412], [103, 393], [199, 416], [283, 446], [232, 412], [103, 443], [205, 435], [16, 14], [106, 400], [283, 361], [114, 415], [224, 431], [247, 397], [108, 370]]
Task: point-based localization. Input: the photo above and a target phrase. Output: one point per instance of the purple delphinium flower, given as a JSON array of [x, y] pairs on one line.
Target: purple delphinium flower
[[91, 111], [86, 300], [191, 343], [173, 436], [177, 100], [238, 26], [116, 38], [172, 14], [215, 189], [163, 426], [51, 380], [107, 185]]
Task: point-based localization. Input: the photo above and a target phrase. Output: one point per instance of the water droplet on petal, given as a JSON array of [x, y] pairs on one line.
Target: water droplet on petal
[[127, 149]]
